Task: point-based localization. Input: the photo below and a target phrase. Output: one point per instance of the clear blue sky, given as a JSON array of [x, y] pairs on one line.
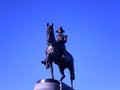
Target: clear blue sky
[[93, 29]]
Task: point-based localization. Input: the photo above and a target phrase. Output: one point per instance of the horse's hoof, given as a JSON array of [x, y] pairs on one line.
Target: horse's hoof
[[53, 78], [43, 62], [47, 66]]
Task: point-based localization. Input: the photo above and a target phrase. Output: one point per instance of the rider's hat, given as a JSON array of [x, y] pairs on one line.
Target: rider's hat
[[60, 29]]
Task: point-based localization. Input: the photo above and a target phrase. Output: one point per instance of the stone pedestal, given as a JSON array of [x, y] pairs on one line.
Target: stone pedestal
[[50, 84]]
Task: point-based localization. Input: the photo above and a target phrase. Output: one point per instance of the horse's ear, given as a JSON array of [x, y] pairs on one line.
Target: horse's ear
[[52, 24], [47, 24]]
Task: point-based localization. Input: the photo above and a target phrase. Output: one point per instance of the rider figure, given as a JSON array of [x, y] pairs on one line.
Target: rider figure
[[61, 39]]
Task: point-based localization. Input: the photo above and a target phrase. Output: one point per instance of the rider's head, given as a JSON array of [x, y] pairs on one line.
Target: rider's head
[[60, 30]]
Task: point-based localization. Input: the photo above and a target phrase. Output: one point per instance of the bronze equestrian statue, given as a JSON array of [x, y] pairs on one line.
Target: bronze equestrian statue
[[57, 53]]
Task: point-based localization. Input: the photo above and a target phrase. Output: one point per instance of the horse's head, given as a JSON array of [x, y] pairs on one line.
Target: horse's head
[[49, 28], [50, 33]]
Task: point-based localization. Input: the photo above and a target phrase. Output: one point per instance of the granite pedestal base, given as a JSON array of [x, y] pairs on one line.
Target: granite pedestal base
[[51, 84]]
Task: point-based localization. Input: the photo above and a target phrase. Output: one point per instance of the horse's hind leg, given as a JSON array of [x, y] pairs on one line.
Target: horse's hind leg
[[62, 74], [72, 76]]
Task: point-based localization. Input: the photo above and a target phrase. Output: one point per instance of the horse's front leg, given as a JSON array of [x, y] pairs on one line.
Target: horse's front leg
[[47, 61], [51, 69]]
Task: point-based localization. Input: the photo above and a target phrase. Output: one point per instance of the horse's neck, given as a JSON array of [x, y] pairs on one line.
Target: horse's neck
[[53, 41]]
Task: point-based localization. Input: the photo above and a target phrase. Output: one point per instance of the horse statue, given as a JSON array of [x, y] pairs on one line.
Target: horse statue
[[53, 55]]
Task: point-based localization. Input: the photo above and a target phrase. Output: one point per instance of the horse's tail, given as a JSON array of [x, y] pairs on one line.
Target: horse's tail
[[73, 71], [73, 74], [71, 66]]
